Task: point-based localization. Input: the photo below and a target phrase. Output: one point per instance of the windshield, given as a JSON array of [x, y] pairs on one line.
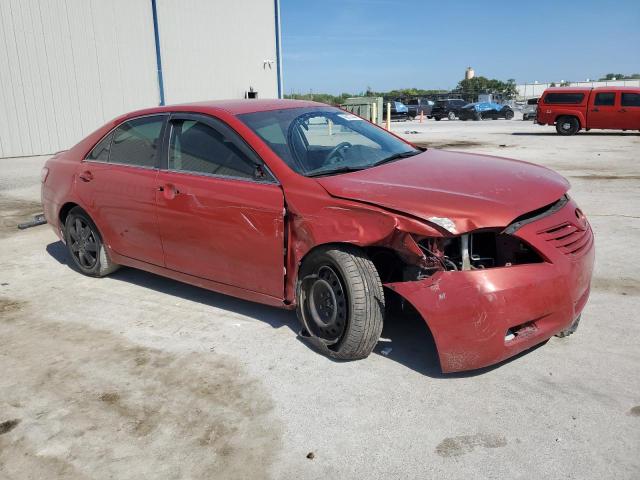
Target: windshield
[[325, 140]]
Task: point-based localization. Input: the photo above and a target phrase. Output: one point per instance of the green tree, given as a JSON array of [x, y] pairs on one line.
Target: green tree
[[619, 76], [470, 88]]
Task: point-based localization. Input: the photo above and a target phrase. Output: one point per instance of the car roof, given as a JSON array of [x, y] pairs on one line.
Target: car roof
[[234, 107], [569, 89], [625, 89], [588, 89]]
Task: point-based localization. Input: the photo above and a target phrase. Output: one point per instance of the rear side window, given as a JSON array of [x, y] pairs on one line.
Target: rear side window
[[605, 98], [136, 142], [197, 148], [100, 152], [566, 98], [630, 100]]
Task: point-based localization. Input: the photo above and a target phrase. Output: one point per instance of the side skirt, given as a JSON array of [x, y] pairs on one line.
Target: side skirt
[[201, 282]]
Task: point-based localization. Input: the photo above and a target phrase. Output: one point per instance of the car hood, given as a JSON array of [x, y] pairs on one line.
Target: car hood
[[460, 191]]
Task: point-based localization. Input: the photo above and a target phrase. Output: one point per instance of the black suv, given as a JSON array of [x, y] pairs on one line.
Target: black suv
[[449, 108], [417, 106]]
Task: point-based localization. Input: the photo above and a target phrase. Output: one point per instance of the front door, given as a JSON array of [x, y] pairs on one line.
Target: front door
[[220, 212], [117, 183], [603, 111]]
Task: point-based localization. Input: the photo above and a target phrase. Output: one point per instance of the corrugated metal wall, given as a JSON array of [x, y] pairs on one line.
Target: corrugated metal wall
[[222, 45], [68, 66]]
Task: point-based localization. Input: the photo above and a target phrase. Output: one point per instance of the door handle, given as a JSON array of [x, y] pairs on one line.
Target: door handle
[[169, 190], [622, 110], [86, 176], [595, 110]]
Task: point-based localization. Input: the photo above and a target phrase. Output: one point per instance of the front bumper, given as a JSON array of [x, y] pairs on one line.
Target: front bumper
[[481, 317]]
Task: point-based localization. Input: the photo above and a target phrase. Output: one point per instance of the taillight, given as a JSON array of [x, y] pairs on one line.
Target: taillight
[[44, 173]]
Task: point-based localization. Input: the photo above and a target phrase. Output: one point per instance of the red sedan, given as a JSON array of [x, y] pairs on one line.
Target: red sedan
[[300, 205]]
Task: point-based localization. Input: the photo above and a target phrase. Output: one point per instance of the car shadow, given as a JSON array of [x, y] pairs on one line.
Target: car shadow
[[275, 317], [405, 338], [586, 134]]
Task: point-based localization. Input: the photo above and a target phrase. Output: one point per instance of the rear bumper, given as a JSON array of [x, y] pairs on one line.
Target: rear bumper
[[470, 312]]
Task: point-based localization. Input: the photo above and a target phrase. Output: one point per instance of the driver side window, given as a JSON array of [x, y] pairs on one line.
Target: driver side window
[[197, 148]]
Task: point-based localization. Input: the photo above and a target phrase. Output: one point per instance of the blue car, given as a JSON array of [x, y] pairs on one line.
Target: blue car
[[482, 110]]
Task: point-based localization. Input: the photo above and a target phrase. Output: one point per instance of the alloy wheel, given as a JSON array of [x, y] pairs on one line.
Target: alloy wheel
[[83, 243]]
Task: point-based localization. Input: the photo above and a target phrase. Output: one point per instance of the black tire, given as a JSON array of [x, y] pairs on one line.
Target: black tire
[[438, 118], [451, 116], [340, 302], [85, 246], [570, 330], [477, 116], [508, 115], [567, 125]]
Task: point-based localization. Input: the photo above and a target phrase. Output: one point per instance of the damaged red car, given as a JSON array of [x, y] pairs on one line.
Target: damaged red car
[[301, 205]]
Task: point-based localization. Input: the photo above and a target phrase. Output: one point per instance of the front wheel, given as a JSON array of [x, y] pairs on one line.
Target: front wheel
[[567, 125], [438, 118], [451, 116], [85, 245], [508, 115], [340, 302]]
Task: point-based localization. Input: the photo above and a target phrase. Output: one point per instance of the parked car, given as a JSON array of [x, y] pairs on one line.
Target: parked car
[[449, 108], [482, 110], [419, 106], [529, 111], [303, 206], [399, 110], [572, 109]]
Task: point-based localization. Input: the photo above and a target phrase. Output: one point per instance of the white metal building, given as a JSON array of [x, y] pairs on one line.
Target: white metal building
[[68, 66], [531, 90]]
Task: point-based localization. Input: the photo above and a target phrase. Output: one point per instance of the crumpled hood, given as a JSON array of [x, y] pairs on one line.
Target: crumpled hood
[[474, 191]]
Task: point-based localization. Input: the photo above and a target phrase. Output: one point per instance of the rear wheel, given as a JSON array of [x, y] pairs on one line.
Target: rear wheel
[[567, 125], [85, 245], [340, 302], [451, 116]]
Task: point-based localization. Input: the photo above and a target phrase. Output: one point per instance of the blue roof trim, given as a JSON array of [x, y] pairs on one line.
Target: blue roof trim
[[278, 47], [156, 35]]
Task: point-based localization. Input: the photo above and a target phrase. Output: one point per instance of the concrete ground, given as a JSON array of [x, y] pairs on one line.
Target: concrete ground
[[137, 376]]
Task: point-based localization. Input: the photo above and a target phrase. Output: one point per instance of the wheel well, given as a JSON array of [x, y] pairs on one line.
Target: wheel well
[[387, 262], [568, 116], [64, 212]]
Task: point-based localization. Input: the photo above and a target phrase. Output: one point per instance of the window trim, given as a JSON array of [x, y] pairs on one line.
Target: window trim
[[224, 129], [615, 98], [159, 154], [628, 93], [581, 102]]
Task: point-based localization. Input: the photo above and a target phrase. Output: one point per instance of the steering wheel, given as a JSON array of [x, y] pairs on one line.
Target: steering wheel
[[335, 152]]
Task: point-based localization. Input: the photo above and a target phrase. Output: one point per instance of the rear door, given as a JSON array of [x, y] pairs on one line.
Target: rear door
[[220, 211], [117, 183], [604, 110], [630, 110]]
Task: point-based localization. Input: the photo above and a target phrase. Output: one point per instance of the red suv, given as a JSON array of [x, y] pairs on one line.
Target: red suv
[[570, 109]]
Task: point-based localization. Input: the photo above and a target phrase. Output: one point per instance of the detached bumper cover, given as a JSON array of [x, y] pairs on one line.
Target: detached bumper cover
[[471, 312]]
